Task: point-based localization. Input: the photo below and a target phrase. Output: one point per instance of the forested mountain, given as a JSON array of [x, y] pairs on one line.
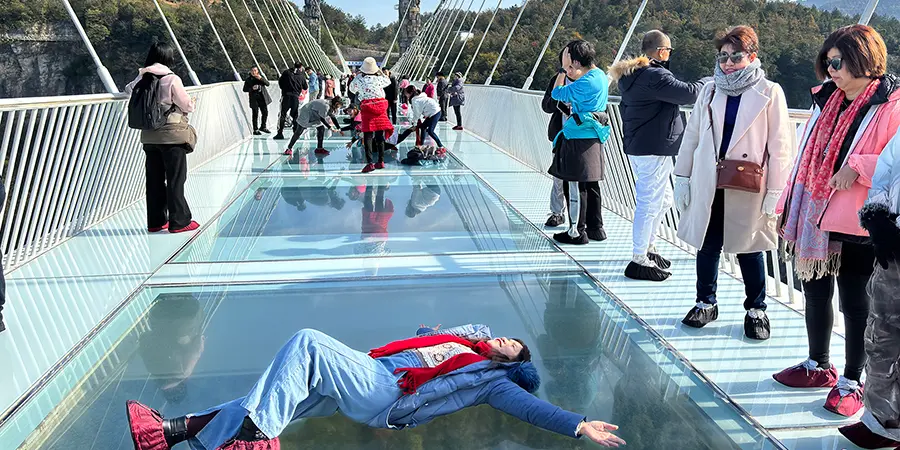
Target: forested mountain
[[890, 8], [40, 54]]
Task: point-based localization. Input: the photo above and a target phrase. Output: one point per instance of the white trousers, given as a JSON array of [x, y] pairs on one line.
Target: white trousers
[[654, 197]]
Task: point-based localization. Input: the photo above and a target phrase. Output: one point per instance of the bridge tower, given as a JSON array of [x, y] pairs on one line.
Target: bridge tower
[[311, 10], [411, 26]]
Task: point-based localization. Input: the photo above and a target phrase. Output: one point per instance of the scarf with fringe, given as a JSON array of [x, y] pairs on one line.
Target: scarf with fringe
[[814, 254]]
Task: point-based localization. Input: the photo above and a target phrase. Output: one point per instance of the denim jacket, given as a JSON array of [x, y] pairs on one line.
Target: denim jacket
[[484, 382]]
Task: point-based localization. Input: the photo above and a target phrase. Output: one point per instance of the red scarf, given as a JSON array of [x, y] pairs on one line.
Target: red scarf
[[417, 376]]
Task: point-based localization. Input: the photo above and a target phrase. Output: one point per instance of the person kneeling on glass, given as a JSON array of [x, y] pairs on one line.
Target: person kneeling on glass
[[318, 114], [403, 384]]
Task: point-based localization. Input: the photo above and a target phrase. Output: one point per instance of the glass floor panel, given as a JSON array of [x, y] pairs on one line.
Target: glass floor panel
[[322, 216], [305, 161], [183, 349]]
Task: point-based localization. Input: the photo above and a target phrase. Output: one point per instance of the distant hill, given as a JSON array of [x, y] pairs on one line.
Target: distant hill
[[890, 8]]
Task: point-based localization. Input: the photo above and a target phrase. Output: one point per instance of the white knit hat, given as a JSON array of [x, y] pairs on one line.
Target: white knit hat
[[369, 66]]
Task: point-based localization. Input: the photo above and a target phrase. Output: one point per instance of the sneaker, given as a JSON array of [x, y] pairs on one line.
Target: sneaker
[[807, 374], [368, 168], [288, 152], [278, 137], [756, 325], [846, 398], [265, 130], [646, 270], [379, 165], [701, 314], [458, 128], [322, 151], [146, 425], [860, 435], [555, 220], [564, 238], [257, 133], [190, 227], [657, 259], [158, 229], [597, 235]]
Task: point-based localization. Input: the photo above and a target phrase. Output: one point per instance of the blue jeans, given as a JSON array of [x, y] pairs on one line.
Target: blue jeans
[[313, 375], [753, 267], [430, 124]]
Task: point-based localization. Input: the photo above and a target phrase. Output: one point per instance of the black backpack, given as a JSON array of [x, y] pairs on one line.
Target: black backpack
[[145, 112]]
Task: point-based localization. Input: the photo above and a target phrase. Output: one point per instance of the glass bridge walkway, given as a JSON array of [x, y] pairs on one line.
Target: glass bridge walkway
[[282, 248]]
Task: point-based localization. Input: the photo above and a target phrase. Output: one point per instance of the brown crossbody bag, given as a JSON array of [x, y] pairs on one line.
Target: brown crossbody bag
[[737, 174]]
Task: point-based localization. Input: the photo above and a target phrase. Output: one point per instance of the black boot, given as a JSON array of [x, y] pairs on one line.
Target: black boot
[[564, 238], [597, 235], [249, 432], [175, 430], [756, 325], [700, 315], [555, 220]]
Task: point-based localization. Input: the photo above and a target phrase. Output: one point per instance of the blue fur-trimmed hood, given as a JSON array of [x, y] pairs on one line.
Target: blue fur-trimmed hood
[[526, 376]]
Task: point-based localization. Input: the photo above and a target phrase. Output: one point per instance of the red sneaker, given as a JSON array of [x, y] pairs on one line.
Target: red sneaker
[[146, 427], [379, 165], [268, 444], [158, 229], [862, 436], [322, 151], [807, 374], [191, 227], [458, 128], [846, 398], [288, 152], [368, 168]]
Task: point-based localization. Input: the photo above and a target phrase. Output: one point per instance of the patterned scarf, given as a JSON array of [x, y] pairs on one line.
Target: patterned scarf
[[736, 83], [417, 376], [814, 254]]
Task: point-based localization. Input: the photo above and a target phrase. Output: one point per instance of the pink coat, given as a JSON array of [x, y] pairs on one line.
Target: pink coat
[[429, 90], [873, 135]]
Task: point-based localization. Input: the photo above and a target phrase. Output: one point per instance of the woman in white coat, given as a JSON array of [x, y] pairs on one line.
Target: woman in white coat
[[739, 120]]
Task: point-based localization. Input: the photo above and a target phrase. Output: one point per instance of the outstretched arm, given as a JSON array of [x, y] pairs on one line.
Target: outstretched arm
[[469, 331]]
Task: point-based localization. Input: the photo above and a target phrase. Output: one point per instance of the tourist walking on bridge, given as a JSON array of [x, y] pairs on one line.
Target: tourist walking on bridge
[[652, 129], [578, 148], [727, 202], [369, 87], [292, 83], [166, 148], [857, 111], [256, 88], [404, 384]]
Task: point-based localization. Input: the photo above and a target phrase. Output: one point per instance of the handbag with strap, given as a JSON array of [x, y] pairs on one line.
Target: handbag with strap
[[737, 174]]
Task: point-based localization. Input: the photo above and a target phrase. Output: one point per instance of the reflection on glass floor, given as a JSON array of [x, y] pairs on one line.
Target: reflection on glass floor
[[196, 347], [327, 216]]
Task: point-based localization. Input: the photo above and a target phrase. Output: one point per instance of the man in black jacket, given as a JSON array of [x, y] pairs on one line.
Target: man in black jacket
[[390, 93], [652, 127], [292, 83], [559, 112], [443, 97]]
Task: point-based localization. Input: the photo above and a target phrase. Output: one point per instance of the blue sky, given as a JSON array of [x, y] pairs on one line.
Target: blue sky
[[382, 11]]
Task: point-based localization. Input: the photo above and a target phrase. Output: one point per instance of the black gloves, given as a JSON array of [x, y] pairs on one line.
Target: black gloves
[[881, 224]]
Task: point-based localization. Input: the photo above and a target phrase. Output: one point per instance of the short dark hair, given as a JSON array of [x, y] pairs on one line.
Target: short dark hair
[[862, 51], [160, 53], [440, 74], [582, 51], [412, 91], [740, 37], [298, 65], [652, 41], [336, 103]]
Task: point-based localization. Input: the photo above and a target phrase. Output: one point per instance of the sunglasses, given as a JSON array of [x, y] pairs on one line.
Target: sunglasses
[[835, 63], [670, 49], [735, 57]]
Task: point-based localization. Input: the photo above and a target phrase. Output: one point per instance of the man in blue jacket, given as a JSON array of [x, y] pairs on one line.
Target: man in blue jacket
[[652, 126], [403, 384]]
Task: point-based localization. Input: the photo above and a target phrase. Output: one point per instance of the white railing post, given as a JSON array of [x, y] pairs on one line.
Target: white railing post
[[427, 71], [261, 38], [306, 52], [290, 35], [439, 15], [466, 41], [284, 41], [634, 22], [102, 71], [478, 49], [187, 65], [387, 55], [512, 30], [344, 67], [269, 29], [867, 13], [244, 37], [540, 56], [455, 35], [237, 76]]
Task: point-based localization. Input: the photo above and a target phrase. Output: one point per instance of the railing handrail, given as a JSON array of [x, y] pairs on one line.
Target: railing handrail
[[7, 104]]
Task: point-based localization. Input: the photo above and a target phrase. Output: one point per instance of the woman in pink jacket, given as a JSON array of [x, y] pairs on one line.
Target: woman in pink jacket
[[856, 113]]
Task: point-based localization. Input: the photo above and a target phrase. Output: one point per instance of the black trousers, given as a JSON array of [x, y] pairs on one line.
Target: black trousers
[[166, 167], [288, 103], [257, 108], [590, 216], [373, 141], [458, 110], [857, 266], [392, 110], [444, 101], [298, 130]]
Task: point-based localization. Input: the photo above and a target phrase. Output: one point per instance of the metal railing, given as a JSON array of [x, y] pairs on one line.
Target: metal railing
[[512, 119], [69, 162]]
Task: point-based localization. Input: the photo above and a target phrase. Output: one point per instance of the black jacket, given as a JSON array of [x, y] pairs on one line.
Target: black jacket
[[556, 109], [441, 86], [258, 97], [652, 123], [390, 92], [293, 83]]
